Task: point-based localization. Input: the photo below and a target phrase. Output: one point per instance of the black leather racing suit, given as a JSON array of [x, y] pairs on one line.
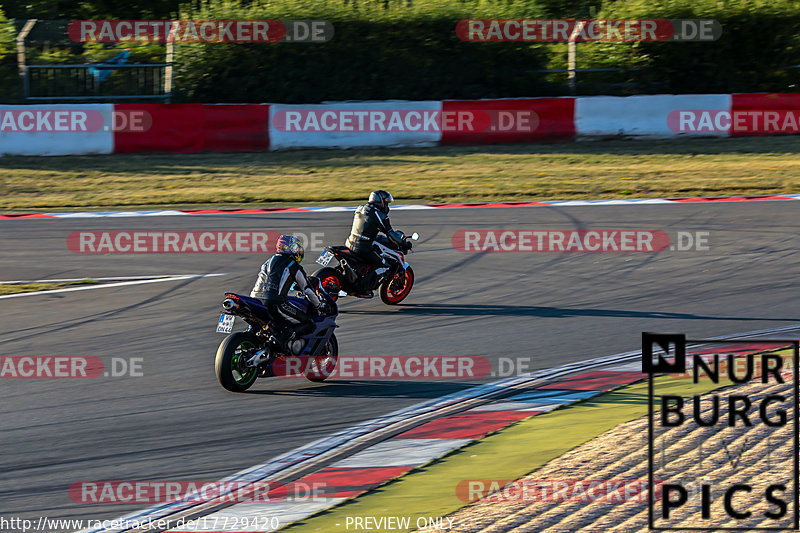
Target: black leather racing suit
[[368, 222], [274, 280]]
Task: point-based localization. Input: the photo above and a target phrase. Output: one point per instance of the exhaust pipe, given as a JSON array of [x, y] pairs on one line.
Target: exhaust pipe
[[229, 304], [349, 273]]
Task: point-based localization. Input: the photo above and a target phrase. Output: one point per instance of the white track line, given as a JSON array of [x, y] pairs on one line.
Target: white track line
[[120, 214], [413, 207], [120, 284], [67, 280]]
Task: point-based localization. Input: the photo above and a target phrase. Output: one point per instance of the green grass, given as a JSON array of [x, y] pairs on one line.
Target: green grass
[[547, 171], [16, 288]]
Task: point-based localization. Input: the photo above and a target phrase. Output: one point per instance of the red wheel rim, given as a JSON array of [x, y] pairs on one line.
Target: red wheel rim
[[331, 286], [395, 294]]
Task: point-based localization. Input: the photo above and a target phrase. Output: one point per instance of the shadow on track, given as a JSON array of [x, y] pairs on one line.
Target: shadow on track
[[371, 389], [544, 312]]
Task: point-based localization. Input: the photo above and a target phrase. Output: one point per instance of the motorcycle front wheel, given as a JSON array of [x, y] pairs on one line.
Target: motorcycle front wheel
[[393, 291], [320, 367], [229, 364]]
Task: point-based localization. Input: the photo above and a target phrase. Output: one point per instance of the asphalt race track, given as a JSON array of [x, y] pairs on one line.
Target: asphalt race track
[[176, 422]]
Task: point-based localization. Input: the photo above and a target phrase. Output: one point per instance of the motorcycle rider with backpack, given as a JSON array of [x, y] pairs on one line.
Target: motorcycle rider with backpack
[[274, 281], [368, 221]]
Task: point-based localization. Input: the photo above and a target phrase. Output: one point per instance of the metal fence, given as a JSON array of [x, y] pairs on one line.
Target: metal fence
[[81, 82], [99, 81]]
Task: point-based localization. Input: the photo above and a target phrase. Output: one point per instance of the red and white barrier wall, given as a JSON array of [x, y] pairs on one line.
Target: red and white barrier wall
[[64, 129], [335, 125], [646, 116], [548, 119], [188, 128]]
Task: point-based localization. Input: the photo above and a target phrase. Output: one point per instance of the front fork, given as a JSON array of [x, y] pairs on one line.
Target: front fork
[[395, 269]]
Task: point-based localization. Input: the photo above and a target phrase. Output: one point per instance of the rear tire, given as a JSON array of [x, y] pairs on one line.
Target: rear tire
[[320, 367], [228, 364], [331, 280], [395, 290]]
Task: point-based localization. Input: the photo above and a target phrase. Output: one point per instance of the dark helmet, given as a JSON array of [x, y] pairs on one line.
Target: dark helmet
[[381, 200]]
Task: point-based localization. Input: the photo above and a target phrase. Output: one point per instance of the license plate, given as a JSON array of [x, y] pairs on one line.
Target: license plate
[[325, 258], [225, 324]]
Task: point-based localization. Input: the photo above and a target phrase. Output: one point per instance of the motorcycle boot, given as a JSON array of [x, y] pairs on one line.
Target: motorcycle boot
[[365, 285], [370, 282]]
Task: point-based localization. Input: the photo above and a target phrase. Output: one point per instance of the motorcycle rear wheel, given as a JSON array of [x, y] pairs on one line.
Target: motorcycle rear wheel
[[331, 280], [229, 363]]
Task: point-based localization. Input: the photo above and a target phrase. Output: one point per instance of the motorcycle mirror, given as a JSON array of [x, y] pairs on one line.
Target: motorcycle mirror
[[415, 236]]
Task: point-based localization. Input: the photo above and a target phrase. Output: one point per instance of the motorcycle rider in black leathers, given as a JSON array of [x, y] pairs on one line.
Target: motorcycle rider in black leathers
[[370, 220], [274, 281]]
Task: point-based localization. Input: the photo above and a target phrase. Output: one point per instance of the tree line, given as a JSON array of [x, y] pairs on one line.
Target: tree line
[[408, 49]]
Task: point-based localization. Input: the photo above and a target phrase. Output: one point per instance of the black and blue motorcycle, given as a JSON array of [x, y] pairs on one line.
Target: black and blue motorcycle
[[244, 356]]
